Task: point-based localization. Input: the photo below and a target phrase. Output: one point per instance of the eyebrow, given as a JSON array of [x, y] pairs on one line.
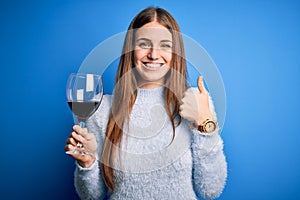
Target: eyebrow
[[150, 40]]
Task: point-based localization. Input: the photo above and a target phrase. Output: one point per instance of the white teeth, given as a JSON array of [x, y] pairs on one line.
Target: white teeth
[[153, 65]]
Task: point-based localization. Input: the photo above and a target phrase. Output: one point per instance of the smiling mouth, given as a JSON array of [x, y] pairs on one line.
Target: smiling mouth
[[153, 66]]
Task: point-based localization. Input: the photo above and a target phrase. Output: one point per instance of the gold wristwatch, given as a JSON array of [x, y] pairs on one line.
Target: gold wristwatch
[[208, 126]]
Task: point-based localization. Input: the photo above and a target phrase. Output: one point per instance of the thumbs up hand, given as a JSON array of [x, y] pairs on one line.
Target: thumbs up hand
[[195, 106]]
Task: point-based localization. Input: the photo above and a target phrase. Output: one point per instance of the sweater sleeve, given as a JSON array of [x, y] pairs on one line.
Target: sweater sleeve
[[88, 181], [209, 163]]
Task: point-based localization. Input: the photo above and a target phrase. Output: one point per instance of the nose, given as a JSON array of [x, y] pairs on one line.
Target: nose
[[153, 54]]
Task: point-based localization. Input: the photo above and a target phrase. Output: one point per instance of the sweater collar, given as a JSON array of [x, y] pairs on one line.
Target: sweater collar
[[150, 94]]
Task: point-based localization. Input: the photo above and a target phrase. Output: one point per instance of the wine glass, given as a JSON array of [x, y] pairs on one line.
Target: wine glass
[[84, 94]]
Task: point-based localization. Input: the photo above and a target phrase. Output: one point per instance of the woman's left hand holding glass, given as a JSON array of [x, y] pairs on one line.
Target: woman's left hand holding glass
[[195, 106]]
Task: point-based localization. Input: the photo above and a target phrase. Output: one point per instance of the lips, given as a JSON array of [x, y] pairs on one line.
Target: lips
[[152, 66]]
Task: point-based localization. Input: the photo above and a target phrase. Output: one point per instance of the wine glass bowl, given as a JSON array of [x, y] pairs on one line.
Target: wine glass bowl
[[84, 94]]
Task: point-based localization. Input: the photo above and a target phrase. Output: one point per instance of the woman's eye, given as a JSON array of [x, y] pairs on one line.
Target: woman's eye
[[166, 46], [144, 45]]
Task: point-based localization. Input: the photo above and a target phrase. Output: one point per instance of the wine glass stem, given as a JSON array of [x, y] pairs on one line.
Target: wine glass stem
[[82, 124], [79, 145]]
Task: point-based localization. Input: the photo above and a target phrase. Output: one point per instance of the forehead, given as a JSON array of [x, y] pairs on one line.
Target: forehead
[[153, 32]]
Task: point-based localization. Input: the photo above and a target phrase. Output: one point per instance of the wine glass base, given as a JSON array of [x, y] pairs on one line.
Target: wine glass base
[[73, 152], [76, 152]]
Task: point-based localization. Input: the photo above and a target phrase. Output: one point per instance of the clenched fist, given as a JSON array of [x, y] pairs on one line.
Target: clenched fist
[[195, 106]]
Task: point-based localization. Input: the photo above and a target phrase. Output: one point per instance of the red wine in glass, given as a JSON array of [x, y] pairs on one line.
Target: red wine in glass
[[84, 94], [83, 109]]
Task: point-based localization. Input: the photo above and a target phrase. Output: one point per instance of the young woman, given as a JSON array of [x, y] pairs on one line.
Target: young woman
[[154, 138]]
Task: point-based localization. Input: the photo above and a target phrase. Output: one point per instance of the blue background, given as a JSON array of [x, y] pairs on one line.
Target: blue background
[[255, 45]]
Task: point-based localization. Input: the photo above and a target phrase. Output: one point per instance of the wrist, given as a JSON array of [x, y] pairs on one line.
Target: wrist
[[203, 118], [88, 163], [208, 126]]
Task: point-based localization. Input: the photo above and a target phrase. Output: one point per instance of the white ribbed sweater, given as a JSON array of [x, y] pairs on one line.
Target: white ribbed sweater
[[193, 165]]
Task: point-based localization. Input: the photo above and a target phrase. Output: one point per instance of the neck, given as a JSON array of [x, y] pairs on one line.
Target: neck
[[150, 85]]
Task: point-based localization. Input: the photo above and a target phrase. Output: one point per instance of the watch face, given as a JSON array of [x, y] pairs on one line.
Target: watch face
[[210, 126]]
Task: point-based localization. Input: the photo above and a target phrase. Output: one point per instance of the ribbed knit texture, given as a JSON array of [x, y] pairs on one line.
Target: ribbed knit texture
[[151, 167]]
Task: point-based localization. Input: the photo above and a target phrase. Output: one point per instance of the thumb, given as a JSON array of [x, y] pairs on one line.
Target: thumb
[[200, 84]]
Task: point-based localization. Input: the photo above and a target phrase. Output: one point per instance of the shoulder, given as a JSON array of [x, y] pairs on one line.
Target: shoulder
[[104, 107], [106, 102], [193, 90]]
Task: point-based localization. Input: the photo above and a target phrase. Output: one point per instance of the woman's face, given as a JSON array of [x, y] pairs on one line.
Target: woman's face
[[152, 54]]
